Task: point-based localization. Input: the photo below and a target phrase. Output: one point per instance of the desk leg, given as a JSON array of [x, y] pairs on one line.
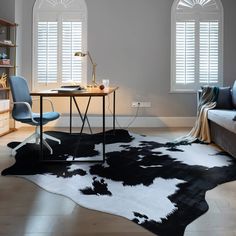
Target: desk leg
[[80, 114], [103, 129], [41, 128], [70, 114], [85, 115], [114, 110]]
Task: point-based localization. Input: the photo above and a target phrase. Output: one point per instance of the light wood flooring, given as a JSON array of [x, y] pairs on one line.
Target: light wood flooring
[[26, 209]]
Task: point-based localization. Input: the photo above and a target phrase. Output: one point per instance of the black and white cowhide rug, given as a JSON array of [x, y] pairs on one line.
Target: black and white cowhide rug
[[156, 184]]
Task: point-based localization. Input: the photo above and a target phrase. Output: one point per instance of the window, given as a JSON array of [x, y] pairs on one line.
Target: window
[[60, 29], [197, 44]]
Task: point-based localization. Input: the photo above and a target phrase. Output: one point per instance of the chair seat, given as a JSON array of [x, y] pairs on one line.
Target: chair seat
[[47, 116]]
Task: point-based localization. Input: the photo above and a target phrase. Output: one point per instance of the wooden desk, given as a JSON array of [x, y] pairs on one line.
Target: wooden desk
[[91, 92]]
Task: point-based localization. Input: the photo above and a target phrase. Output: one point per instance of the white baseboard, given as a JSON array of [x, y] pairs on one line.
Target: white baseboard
[[124, 121]]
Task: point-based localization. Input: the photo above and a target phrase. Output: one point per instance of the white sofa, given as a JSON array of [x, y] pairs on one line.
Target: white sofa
[[222, 120]]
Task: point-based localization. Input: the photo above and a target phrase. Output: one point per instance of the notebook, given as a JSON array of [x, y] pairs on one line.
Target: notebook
[[69, 88]]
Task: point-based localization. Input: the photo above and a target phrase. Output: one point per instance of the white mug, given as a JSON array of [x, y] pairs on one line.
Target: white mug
[[105, 82]]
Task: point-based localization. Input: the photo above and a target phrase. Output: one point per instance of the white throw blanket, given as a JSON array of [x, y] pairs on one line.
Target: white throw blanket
[[201, 129]]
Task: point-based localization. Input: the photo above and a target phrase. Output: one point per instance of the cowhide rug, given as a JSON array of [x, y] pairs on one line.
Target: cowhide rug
[[159, 185]]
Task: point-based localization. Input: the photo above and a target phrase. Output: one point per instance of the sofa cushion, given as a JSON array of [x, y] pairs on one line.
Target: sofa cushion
[[223, 118], [234, 94], [224, 99]]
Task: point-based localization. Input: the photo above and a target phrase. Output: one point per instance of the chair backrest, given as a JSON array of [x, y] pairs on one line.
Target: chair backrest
[[20, 93]]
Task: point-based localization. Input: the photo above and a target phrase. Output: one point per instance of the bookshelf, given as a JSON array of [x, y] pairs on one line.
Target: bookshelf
[[7, 68]]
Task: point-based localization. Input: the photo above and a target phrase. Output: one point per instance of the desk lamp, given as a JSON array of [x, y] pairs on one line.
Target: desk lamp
[[81, 54]]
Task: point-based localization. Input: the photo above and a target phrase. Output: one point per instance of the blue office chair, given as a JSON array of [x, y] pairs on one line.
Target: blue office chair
[[22, 111]]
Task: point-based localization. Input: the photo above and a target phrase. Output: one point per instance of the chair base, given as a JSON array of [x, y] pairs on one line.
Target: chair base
[[36, 136]]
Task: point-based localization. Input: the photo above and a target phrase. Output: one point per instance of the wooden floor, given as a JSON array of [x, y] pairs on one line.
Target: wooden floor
[[28, 210]]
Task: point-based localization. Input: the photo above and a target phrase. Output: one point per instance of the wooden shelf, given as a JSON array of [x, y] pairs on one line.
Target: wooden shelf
[[7, 23], [7, 66], [4, 89]]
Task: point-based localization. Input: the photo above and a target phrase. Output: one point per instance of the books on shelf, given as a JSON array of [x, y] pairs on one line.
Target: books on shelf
[[5, 61]]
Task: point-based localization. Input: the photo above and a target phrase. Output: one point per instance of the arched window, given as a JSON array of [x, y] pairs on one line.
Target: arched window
[[59, 30], [197, 44]]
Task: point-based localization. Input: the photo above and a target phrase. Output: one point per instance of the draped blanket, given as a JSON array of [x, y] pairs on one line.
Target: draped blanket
[[200, 130]]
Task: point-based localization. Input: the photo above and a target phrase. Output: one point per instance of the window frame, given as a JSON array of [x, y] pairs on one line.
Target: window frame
[[197, 14], [54, 10]]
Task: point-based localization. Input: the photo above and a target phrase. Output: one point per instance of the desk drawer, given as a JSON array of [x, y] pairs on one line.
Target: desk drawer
[[4, 105], [4, 122]]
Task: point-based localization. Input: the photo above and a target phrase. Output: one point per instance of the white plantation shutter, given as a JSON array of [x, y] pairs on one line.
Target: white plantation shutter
[[197, 44], [209, 52], [47, 52], [185, 52], [59, 30], [71, 42]]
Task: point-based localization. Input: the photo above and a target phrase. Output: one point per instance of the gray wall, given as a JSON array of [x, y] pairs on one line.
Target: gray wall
[[229, 41], [7, 10], [130, 41]]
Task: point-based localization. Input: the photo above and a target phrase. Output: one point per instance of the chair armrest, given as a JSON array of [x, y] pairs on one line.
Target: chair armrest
[[29, 108], [46, 99]]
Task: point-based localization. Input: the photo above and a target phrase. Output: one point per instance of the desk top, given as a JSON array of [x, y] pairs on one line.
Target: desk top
[[93, 92]]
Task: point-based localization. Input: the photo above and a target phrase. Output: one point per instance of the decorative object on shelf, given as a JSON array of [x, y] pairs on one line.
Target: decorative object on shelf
[[3, 80], [3, 59], [3, 55], [7, 42], [81, 54], [2, 30]]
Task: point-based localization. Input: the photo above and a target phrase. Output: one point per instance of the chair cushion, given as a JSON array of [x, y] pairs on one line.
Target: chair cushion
[[234, 94], [224, 99], [223, 118], [47, 116]]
